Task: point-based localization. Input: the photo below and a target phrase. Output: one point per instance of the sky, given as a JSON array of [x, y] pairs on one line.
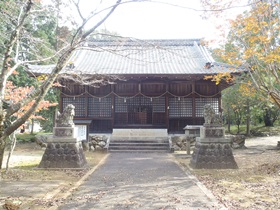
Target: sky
[[155, 20], [147, 20]]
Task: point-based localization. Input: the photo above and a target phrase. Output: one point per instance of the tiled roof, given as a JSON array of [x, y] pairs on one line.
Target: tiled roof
[[130, 57]]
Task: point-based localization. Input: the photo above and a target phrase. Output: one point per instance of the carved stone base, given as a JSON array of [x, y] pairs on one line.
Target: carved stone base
[[216, 155], [63, 155], [64, 132]]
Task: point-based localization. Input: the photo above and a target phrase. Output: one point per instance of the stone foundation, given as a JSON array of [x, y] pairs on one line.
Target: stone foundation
[[213, 156], [63, 155], [213, 150]]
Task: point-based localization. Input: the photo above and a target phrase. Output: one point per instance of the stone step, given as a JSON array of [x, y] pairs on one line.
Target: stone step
[[138, 151], [139, 133], [139, 140], [138, 148], [152, 144], [138, 144]]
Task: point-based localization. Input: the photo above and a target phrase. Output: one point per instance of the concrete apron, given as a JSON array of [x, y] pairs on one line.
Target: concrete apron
[[141, 181]]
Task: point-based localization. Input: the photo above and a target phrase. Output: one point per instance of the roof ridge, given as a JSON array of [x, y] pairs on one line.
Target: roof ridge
[[142, 42]]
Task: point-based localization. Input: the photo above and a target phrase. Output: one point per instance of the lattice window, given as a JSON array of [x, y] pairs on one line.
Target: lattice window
[[79, 103], [138, 104], [159, 104], [145, 101], [120, 105], [180, 107], [100, 107], [201, 102], [133, 104]]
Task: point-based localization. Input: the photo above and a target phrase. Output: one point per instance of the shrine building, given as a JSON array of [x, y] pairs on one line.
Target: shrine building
[[141, 84]]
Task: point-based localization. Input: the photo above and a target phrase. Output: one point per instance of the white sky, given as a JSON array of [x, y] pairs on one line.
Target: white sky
[[153, 20], [150, 20]]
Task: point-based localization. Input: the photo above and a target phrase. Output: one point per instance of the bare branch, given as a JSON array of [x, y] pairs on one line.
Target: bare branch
[[14, 37]]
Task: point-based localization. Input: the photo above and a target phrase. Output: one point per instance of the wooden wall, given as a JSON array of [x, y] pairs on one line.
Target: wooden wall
[[142, 103]]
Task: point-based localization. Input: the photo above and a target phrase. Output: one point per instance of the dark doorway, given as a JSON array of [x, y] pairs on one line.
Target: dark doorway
[[140, 111]]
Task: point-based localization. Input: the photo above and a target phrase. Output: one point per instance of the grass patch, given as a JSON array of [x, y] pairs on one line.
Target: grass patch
[[27, 165], [256, 130], [26, 137], [256, 178]]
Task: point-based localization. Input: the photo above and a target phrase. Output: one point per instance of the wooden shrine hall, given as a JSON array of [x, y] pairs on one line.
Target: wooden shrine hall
[[158, 84]]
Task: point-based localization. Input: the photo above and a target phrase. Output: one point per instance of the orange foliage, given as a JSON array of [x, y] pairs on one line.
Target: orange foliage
[[16, 94], [251, 42], [247, 89]]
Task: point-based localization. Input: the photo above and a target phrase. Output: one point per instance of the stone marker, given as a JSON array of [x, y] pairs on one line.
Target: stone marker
[[64, 150], [212, 149]]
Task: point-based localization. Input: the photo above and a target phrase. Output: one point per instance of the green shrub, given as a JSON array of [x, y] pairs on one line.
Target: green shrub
[[26, 137]]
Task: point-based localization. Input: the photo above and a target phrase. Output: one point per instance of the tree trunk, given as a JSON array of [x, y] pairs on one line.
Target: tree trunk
[[2, 139], [32, 126], [2, 150], [13, 145], [238, 121], [238, 128], [228, 120], [268, 118], [248, 119]]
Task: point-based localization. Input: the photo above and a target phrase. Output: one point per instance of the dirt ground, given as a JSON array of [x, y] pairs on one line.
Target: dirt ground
[[255, 185], [26, 158], [23, 169]]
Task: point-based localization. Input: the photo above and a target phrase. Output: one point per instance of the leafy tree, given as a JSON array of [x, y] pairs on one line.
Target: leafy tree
[[19, 18], [14, 95], [234, 105], [43, 28], [253, 43], [243, 104]]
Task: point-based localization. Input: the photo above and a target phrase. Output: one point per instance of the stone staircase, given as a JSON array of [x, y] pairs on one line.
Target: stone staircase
[[139, 140]]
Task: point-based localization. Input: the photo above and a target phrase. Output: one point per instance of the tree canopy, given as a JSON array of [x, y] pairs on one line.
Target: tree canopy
[[31, 34], [253, 44]]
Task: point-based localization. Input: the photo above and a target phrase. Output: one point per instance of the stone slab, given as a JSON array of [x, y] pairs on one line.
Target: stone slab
[[139, 133], [62, 140], [213, 140]]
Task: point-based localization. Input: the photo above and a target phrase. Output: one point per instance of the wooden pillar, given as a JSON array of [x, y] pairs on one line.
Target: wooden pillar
[[86, 101], [167, 106], [113, 106], [193, 101]]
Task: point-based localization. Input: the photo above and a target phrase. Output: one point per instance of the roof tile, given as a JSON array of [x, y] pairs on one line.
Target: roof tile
[[134, 57]]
